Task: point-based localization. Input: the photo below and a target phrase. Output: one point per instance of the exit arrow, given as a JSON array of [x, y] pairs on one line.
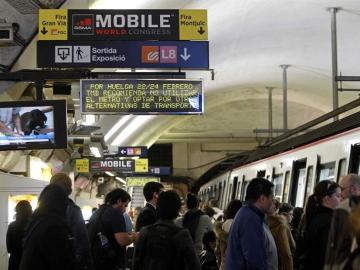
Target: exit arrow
[[185, 55], [123, 151], [44, 31], [201, 30]]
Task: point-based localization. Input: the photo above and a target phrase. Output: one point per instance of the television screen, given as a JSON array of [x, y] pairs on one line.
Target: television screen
[[33, 125]]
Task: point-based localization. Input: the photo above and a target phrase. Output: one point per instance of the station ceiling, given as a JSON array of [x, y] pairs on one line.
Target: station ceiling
[[249, 40]]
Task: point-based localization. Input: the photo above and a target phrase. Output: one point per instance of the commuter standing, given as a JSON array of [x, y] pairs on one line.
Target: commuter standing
[[279, 226], [16, 232], [222, 230], [107, 232], [76, 223], [48, 242], [195, 221], [318, 214], [207, 255], [163, 245], [148, 214], [250, 240], [341, 239]]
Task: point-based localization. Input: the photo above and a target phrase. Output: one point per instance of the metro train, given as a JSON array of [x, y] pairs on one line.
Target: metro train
[[294, 166]]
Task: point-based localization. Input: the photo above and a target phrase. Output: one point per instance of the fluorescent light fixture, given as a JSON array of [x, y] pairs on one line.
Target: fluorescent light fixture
[[89, 120], [96, 149], [109, 173], [122, 121], [121, 180], [136, 123]]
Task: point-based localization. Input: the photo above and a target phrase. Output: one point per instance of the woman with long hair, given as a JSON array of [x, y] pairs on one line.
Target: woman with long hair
[[16, 232]]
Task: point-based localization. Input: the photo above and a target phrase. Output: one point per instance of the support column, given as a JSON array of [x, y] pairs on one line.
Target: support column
[[285, 110], [270, 111]]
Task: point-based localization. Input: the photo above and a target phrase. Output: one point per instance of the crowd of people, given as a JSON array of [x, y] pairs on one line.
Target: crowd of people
[[168, 233]]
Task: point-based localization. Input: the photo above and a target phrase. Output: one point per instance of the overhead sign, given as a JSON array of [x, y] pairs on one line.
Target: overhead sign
[[119, 165], [129, 24], [140, 181], [53, 24], [122, 96], [82, 165], [160, 170], [131, 151], [123, 54]]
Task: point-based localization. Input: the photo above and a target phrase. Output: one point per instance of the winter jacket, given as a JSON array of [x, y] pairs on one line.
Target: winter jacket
[[171, 244], [284, 242], [208, 260], [146, 217], [246, 242], [221, 244], [316, 238]]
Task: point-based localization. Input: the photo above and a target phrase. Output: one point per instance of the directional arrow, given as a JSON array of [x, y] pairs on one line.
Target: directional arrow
[[201, 30], [185, 55], [123, 151], [44, 31]]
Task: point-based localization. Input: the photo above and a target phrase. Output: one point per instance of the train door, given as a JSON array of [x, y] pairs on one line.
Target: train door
[[278, 183], [297, 185], [285, 194], [354, 161]]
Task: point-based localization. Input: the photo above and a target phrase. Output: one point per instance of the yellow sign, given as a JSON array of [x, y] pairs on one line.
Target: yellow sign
[[141, 165], [140, 181], [193, 24], [82, 165], [53, 24]]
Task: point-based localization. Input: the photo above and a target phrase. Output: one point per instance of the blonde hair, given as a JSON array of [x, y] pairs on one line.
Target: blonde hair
[[63, 180]]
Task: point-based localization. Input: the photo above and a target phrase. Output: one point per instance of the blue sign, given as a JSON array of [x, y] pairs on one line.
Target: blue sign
[[159, 170], [133, 151], [123, 54]]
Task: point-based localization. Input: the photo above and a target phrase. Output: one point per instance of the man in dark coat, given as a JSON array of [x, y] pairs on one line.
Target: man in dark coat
[[48, 243], [76, 223], [148, 214]]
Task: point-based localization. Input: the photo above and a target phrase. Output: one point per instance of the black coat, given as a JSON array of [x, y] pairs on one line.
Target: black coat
[[146, 217], [316, 238], [14, 237]]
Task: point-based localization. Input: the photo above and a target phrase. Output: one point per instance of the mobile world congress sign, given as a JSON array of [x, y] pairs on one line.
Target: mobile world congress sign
[[141, 96], [156, 24], [123, 54], [119, 165]]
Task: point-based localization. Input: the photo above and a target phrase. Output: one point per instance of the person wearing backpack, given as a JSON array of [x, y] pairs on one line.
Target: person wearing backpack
[[195, 221], [107, 232], [163, 245]]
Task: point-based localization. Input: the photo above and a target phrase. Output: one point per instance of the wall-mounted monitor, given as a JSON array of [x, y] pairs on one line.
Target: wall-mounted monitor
[[33, 125]]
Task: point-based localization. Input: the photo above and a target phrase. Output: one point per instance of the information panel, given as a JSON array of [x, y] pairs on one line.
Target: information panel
[[119, 165], [140, 181], [129, 24], [123, 54], [122, 96]]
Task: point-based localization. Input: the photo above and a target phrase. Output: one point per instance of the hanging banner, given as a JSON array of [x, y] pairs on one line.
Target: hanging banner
[[119, 165], [129, 24], [123, 54], [141, 96]]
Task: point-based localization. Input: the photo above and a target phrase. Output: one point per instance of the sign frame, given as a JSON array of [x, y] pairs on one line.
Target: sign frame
[[200, 111]]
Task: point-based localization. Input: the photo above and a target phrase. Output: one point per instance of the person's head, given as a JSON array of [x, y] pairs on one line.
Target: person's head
[[350, 185], [209, 211], [63, 180], [297, 215], [192, 201], [168, 205], [137, 211], [23, 210], [209, 240], [232, 208], [151, 191], [118, 198], [328, 194], [260, 193], [53, 200], [213, 202], [287, 210]]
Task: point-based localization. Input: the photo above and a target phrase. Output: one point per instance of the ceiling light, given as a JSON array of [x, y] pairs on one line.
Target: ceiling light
[[116, 127], [89, 120], [121, 180], [110, 174]]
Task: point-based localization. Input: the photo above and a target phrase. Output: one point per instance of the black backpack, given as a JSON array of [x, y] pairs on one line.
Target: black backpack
[[103, 253], [161, 247]]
